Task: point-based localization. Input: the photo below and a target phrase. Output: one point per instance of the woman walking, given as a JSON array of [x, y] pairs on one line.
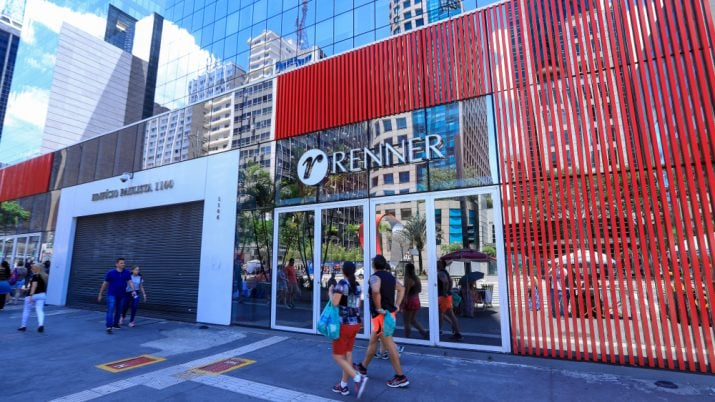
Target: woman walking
[[346, 296], [131, 298], [411, 305], [37, 295], [5, 290]]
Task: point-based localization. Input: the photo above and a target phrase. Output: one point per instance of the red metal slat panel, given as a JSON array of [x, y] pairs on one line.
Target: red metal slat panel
[[26, 178]]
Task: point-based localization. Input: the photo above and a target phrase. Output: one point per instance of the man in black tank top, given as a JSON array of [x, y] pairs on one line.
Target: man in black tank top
[[444, 293], [385, 294]]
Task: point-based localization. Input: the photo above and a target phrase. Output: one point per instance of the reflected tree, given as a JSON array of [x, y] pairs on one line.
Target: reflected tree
[[11, 215], [415, 232]]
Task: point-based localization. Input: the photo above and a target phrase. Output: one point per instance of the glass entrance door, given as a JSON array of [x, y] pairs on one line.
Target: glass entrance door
[[312, 245], [457, 304]]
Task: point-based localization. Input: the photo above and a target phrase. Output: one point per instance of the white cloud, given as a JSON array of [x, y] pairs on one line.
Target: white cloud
[[44, 63], [28, 106], [53, 16], [185, 58]]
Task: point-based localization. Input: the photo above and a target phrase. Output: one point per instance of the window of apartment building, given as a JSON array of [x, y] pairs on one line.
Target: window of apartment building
[[406, 3], [401, 121], [401, 139], [408, 14], [408, 26], [404, 177], [420, 22], [405, 213], [374, 181], [387, 125], [388, 178]]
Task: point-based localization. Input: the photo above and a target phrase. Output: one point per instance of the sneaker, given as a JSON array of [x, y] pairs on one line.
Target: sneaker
[[117, 327], [398, 381], [41, 328], [360, 386], [109, 330], [341, 390], [131, 324], [385, 356], [400, 349], [457, 336], [378, 355], [360, 368], [22, 329]]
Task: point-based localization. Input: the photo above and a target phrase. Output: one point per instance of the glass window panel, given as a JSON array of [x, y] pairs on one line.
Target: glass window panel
[[323, 9], [470, 149], [295, 241], [394, 143], [343, 26], [230, 46], [469, 223], [197, 22], [274, 24], [289, 19], [246, 20], [198, 4], [309, 13], [468, 5], [342, 185], [259, 11], [290, 190], [358, 3], [340, 242], [382, 33], [258, 29], [221, 7], [233, 6], [251, 300], [207, 35], [242, 60], [188, 8], [364, 19], [342, 6], [324, 33], [274, 8], [288, 4], [309, 33], [209, 13], [232, 23], [401, 239], [217, 49], [382, 13], [344, 46], [243, 46], [220, 29]]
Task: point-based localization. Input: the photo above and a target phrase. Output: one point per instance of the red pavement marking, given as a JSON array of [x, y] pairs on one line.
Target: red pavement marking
[[224, 365], [130, 363]]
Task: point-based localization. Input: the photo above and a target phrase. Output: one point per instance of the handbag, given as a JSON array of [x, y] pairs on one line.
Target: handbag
[[13, 277], [388, 327], [329, 323]]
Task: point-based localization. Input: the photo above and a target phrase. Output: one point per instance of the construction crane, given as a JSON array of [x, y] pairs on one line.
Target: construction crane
[[300, 24]]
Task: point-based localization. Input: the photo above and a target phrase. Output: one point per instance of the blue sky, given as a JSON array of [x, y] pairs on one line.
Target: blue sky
[[32, 79]]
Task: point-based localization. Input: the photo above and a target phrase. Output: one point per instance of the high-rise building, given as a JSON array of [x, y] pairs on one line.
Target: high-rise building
[[10, 29], [120, 29]]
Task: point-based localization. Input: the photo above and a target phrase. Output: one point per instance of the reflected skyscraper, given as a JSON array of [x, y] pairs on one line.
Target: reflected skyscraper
[[10, 28]]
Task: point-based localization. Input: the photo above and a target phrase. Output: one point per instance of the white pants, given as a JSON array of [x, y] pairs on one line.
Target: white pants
[[39, 300]]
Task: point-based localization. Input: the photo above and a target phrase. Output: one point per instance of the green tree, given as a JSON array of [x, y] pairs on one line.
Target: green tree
[[11, 215]]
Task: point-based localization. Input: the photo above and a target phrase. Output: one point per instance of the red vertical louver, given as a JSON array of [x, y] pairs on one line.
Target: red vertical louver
[[607, 171]]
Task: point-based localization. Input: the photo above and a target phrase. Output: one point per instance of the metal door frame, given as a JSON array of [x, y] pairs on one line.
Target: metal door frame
[[317, 210], [429, 199]]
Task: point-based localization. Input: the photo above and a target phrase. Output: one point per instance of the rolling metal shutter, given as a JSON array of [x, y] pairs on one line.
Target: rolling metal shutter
[[165, 242]]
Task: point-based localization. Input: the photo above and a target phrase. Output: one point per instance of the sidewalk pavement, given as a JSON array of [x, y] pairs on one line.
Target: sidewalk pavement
[[62, 364]]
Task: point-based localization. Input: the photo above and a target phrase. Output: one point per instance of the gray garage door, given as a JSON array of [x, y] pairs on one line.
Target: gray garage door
[[165, 242]]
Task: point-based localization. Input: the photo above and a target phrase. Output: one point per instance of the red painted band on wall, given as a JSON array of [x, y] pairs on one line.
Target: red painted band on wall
[[27, 178]]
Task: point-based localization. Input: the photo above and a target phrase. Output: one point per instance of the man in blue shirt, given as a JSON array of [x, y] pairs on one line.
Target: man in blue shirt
[[116, 282]]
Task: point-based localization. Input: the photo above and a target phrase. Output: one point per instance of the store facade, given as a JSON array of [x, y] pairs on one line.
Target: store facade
[[557, 157]]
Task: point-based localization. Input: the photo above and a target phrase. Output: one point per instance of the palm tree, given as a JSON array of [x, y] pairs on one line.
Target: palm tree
[[414, 231]]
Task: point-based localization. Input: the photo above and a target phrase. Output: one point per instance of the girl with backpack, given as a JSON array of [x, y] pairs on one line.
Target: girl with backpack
[[346, 296]]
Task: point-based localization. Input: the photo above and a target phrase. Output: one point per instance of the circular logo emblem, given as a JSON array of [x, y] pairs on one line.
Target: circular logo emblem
[[312, 167]]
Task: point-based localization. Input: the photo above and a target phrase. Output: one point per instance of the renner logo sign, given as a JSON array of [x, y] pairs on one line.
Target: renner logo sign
[[314, 165]]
